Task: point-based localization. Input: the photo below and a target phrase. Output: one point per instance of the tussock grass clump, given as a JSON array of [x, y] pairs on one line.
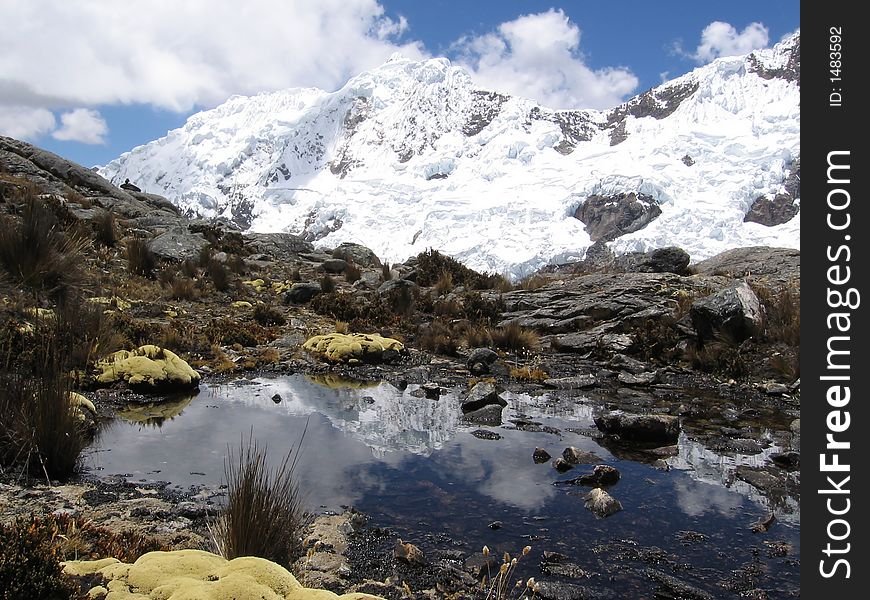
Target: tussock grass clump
[[236, 264], [352, 273], [439, 338], [264, 513], [266, 315], [36, 253], [106, 229], [361, 314], [205, 256], [327, 284], [183, 288], [477, 336], [228, 332], [480, 309], [515, 338], [40, 431], [431, 264], [721, 355], [166, 276], [533, 282], [30, 564], [189, 268], [782, 314], [140, 259], [219, 275], [529, 374], [444, 284]]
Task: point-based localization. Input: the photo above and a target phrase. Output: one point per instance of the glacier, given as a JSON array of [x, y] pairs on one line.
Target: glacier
[[412, 155]]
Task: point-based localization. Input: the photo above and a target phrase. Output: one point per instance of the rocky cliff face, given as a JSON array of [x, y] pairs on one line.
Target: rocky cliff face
[[413, 155]]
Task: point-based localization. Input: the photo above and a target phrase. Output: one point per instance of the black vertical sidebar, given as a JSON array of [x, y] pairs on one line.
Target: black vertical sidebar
[[835, 371]]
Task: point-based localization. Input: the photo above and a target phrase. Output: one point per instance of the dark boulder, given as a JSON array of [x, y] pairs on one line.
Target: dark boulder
[[734, 311], [178, 244], [642, 428], [772, 211], [488, 415], [300, 293], [481, 395], [279, 245], [334, 265], [480, 360], [357, 254], [602, 504], [608, 217]]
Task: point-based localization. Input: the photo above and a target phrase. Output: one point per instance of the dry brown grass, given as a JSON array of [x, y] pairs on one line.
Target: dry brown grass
[[536, 375], [266, 315], [140, 259], [183, 289], [36, 253], [515, 338], [352, 273], [264, 513], [444, 284]]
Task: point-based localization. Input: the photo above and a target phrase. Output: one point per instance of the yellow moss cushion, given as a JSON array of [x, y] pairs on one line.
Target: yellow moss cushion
[[351, 347], [198, 575], [147, 366]]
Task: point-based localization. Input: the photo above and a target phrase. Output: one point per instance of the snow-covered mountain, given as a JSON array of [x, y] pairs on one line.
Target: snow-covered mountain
[[412, 155]]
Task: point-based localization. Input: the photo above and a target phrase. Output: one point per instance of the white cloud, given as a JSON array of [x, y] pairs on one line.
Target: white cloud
[[722, 39], [25, 122], [83, 125], [176, 55], [539, 56]]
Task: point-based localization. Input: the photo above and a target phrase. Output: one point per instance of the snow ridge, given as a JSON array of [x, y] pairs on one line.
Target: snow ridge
[[412, 155]]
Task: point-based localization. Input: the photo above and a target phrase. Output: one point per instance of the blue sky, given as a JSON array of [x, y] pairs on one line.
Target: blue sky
[[90, 79]]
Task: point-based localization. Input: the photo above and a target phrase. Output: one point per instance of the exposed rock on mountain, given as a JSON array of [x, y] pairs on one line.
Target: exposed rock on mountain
[[609, 217], [412, 155]]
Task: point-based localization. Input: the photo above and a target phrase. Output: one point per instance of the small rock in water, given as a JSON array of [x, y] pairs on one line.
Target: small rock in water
[[488, 415], [483, 434], [600, 475], [601, 503], [576, 456], [540, 456], [495, 525], [561, 465], [277, 398], [763, 524], [789, 461], [431, 390], [409, 553]]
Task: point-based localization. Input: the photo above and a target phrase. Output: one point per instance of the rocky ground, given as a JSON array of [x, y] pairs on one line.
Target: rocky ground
[[631, 333]]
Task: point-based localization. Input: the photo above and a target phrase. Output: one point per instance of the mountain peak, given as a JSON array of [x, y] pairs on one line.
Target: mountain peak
[[412, 155]]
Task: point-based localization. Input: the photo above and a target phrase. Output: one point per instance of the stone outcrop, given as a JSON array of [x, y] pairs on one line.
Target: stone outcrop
[[772, 211], [178, 244], [278, 245], [357, 254], [734, 311], [300, 293], [783, 264], [602, 504], [641, 428], [482, 394], [608, 217]]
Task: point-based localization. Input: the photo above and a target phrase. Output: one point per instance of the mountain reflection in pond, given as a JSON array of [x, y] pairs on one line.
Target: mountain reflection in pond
[[413, 464]]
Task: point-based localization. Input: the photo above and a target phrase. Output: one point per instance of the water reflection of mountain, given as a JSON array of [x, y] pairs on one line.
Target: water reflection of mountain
[[708, 466], [387, 419]]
